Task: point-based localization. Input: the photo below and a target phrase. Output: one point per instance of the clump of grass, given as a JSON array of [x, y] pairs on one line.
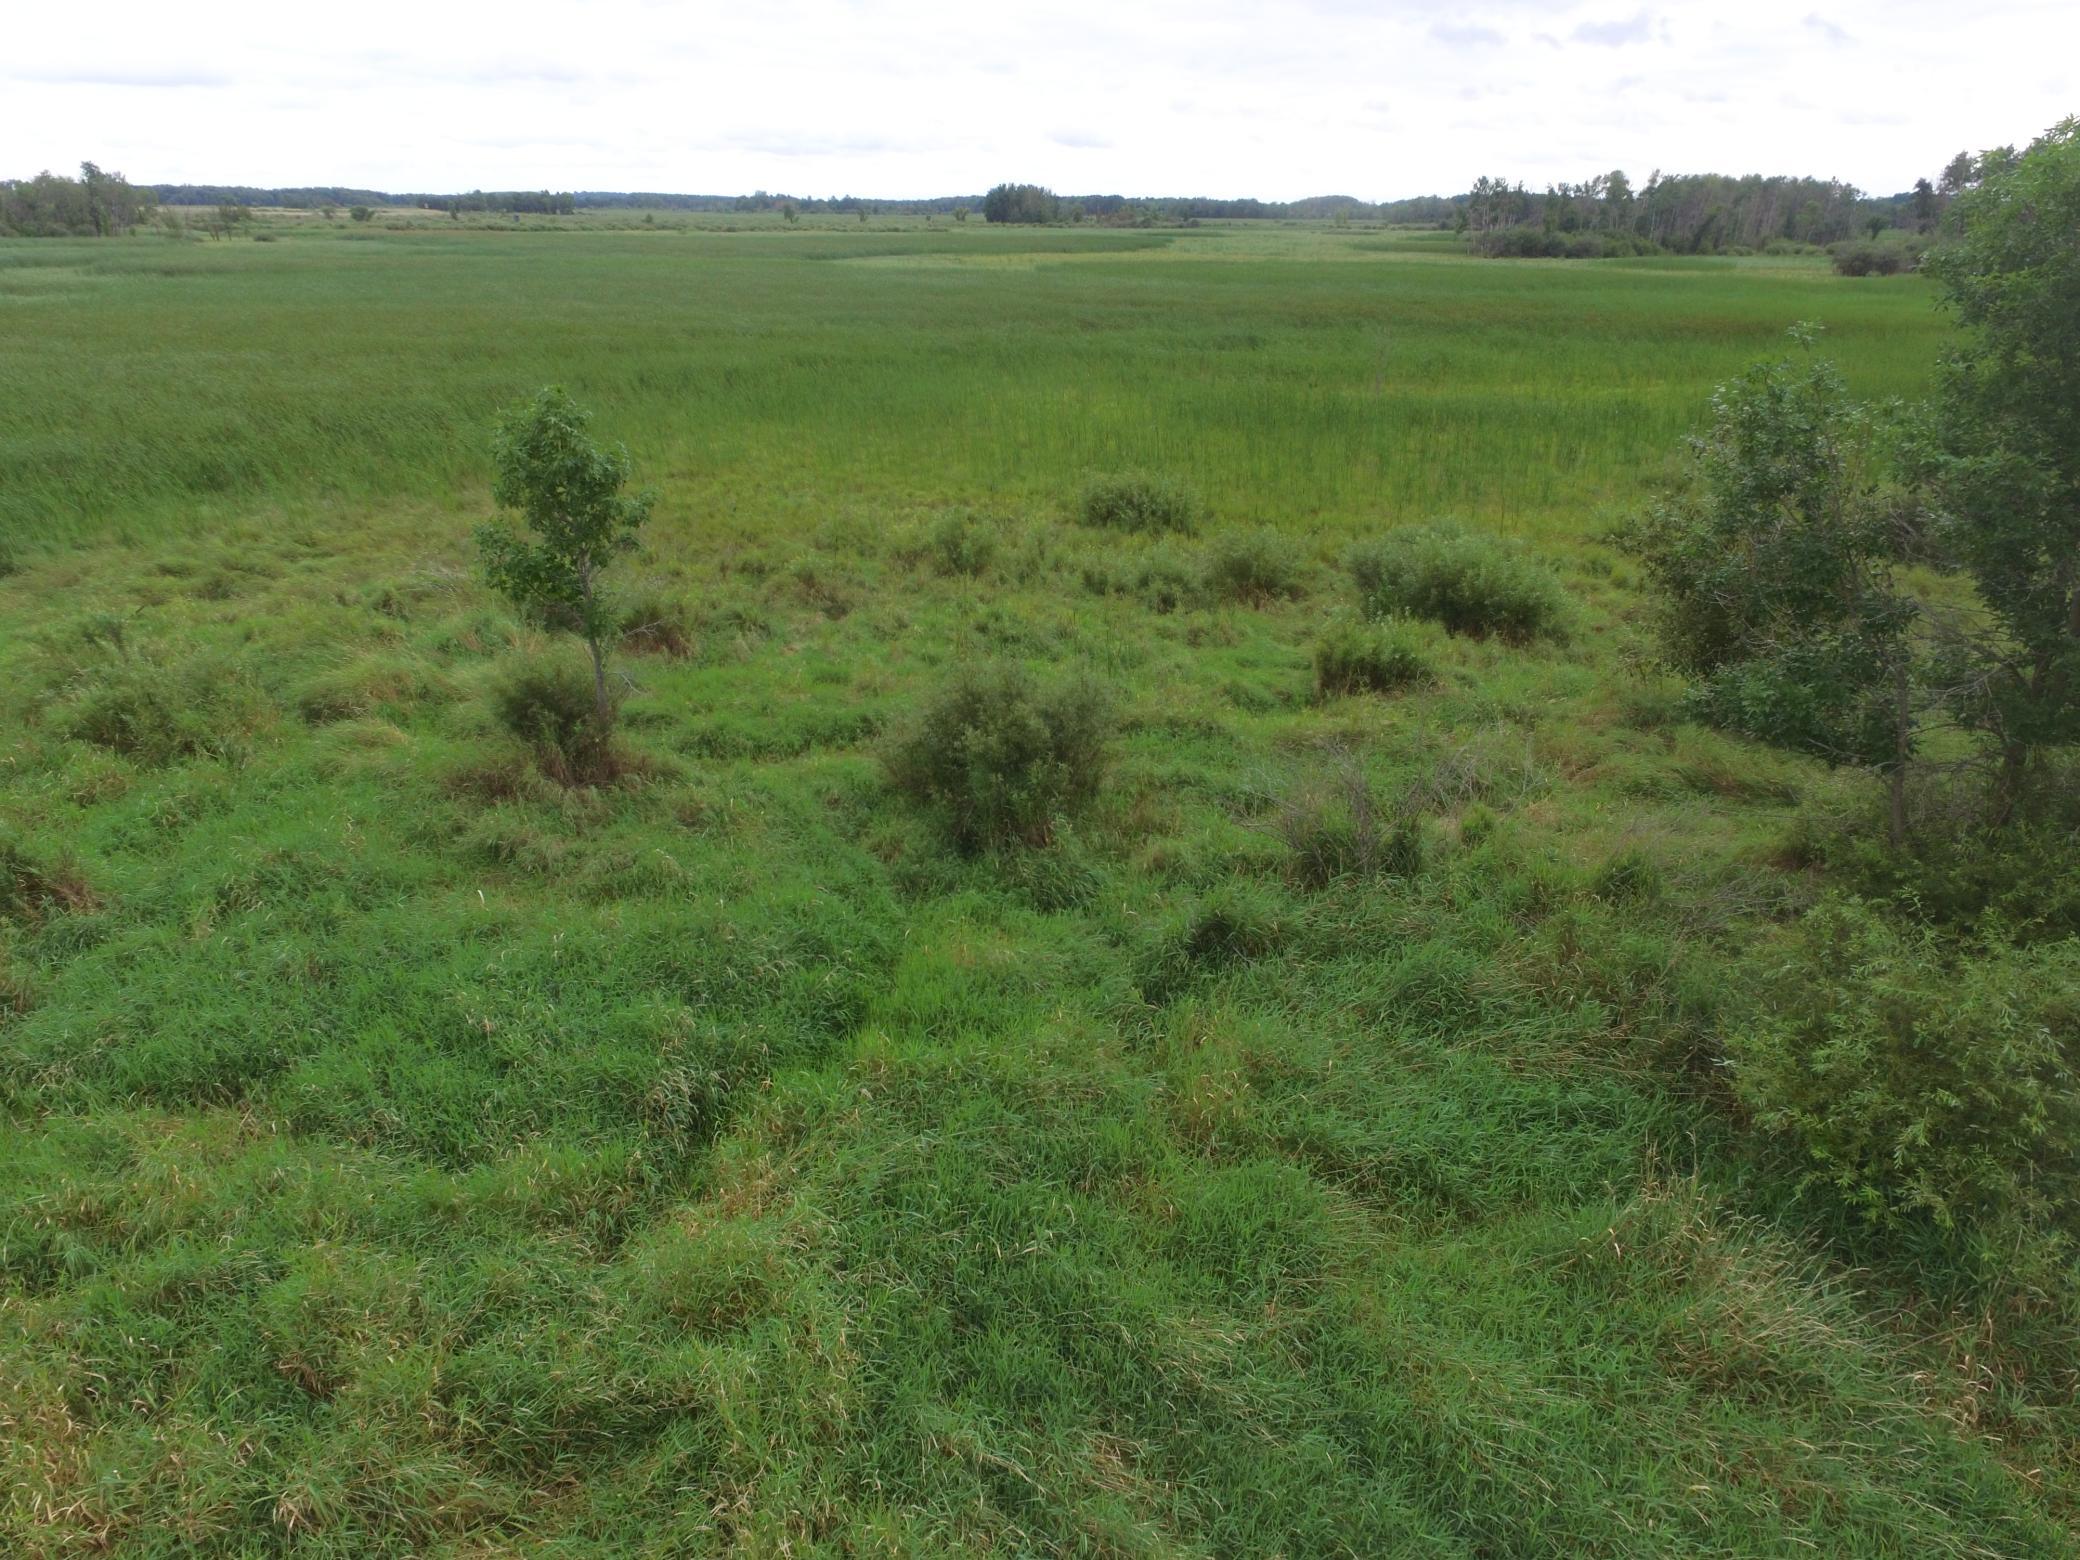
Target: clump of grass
[[1140, 501], [1471, 584], [1253, 567], [32, 888], [158, 711], [1000, 757], [1333, 826], [1369, 658], [365, 687], [653, 622], [549, 706], [1233, 924]]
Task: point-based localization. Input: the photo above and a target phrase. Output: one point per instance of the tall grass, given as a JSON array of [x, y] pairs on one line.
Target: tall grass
[[163, 383]]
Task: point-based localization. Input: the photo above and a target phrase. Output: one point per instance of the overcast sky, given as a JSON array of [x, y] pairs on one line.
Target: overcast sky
[[923, 97]]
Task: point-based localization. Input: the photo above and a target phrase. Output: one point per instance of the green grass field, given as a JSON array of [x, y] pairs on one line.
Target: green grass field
[[407, 1155]]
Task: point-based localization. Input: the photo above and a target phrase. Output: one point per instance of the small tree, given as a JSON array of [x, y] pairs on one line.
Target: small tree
[[360, 213], [1775, 565], [568, 491], [2006, 450]]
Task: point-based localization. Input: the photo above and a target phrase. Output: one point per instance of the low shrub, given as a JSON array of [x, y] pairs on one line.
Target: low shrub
[[1954, 872], [1919, 1078], [1160, 578], [1369, 658], [961, 544], [1470, 583], [1001, 757], [1253, 567], [1876, 257], [1138, 501], [548, 705]]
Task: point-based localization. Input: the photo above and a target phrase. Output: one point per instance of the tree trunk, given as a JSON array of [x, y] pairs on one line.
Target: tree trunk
[[1902, 734], [602, 711]]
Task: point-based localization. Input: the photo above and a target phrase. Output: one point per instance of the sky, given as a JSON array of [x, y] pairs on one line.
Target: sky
[[908, 98]]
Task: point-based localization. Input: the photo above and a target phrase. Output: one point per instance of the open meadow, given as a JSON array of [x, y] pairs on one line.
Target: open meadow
[[1320, 1144]]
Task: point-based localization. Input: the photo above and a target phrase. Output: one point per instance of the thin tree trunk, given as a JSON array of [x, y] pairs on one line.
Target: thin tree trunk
[[602, 711], [1902, 735]]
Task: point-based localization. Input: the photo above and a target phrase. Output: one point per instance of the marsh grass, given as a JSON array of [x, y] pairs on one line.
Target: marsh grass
[[1321, 1144]]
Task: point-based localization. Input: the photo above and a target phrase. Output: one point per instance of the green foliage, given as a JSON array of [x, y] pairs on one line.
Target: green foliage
[[1470, 583], [1137, 501], [1370, 658], [1873, 257], [2005, 454], [1021, 203], [1774, 567], [1002, 758], [962, 543], [567, 490], [1916, 1080], [1254, 567], [97, 204]]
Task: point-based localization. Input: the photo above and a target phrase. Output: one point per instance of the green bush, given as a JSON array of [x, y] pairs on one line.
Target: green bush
[[1000, 757], [1369, 658], [1254, 567], [1137, 501], [1471, 584], [549, 706], [1918, 1078], [961, 544], [1873, 257]]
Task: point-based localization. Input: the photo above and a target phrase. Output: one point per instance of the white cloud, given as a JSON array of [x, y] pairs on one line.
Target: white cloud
[[1276, 98]]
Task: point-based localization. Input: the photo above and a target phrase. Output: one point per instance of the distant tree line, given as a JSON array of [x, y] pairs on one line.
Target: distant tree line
[[530, 202], [1605, 214], [1699, 213], [94, 205]]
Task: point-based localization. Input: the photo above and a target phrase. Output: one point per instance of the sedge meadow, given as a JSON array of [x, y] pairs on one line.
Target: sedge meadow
[[408, 1154]]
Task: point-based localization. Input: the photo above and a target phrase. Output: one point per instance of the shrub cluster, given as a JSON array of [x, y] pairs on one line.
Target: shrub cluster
[[961, 543], [1369, 658], [1002, 758], [1876, 257], [1916, 1077], [1539, 243], [1138, 501], [1469, 583], [1253, 567]]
